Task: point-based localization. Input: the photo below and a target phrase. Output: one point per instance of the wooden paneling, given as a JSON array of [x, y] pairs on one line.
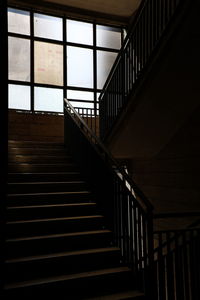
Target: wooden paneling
[[36, 127]]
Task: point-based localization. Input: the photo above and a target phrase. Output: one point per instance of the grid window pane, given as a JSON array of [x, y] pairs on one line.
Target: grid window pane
[[79, 32], [19, 59], [82, 104], [109, 37], [105, 62], [18, 21], [79, 67], [48, 27], [48, 63], [80, 95], [19, 97], [48, 99]]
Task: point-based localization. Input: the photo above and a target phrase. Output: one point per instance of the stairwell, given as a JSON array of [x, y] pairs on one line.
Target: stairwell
[[56, 239]]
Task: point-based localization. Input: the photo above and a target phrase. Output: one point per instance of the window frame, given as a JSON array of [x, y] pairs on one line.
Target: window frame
[[64, 43]]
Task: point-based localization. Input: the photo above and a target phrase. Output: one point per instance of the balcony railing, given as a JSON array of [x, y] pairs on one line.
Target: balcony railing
[[177, 264], [140, 46]]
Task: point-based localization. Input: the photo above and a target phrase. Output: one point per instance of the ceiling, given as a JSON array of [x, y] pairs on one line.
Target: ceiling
[[121, 8]]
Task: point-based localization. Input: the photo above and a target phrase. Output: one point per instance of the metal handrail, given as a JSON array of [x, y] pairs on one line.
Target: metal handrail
[[105, 153], [138, 51]]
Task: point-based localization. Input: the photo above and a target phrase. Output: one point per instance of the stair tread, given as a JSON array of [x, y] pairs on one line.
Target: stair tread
[[42, 173], [51, 193], [119, 296], [54, 219], [52, 205], [58, 235], [55, 279], [45, 182], [63, 254]]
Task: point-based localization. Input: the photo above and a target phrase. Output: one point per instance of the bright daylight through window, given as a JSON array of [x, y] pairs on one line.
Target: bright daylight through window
[[51, 57]]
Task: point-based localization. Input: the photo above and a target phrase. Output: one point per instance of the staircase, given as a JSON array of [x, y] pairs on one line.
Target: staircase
[[56, 240]]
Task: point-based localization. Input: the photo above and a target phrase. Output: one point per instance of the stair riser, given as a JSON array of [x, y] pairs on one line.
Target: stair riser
[[50, 212], [53, 227], [18, 200], [81, 288], [46, 187], [58, 266], [45, 168], [53, 245]]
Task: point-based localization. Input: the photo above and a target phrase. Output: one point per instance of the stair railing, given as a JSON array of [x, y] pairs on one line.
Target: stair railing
[[177, 264], [137, 53], [128, 212]]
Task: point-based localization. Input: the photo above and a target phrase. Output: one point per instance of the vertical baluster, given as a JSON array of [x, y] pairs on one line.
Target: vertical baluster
[[161, 268], [136, 242], [178, 267], [131, 64], [131, 237], [145, 252], [169, 269], [186, 267]]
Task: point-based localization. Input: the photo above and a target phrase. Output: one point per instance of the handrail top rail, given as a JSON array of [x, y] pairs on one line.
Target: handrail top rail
[[125, 176]]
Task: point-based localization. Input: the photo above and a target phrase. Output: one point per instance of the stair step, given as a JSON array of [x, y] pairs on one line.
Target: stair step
[[41, 167], [45, 177], [79, 285], [32, 144], [136, 295], [57, 263], [30, 187], [51, 243], [19, 158], [53, 225], [50, 210], [37, 151], [48, 198]]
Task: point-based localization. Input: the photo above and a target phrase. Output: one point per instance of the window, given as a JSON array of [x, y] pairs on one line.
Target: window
[[79, 67], [19, 59], [18, 21], [109, 37], [19, 97], [48, 99], [48, 27], [80, 95], [105, 62], [79, 32], [48, 61]]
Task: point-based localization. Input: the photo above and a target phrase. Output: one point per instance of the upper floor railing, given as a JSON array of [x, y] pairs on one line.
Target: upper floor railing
[[151, 23]]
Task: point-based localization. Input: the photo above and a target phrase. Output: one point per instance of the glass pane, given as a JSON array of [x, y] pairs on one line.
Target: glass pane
[[19, 59], [82, 104], [98, 94], [79, 32], [109, 37], [48, 27], [18, 21], [80, 95], [48, 63], [79, 67], [105, 62], [48, 99], [19, 97]]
